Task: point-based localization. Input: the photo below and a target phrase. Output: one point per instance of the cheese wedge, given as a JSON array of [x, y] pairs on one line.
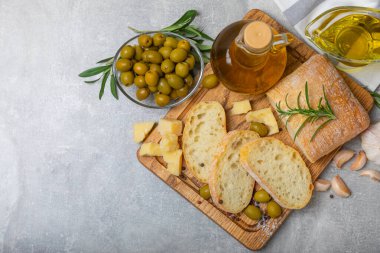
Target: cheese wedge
[[141, 130], [169, 142], [174, 161], [150, 149], [264, 116], [241, 107], [169, 126]]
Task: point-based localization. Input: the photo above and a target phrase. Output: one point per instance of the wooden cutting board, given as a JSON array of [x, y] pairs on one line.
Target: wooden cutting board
[[251, 234]]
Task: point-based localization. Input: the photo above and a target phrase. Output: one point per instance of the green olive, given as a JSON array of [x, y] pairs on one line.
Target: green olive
[[261, 196], [191, 61], [157, 68], [173, 94], [253, 212], [189, 80], [152, 57], [165, 52], [178, 55], [140, 81], [140, 68], [142, 93], [127, 52], [162, 99], [127, 78], [171, 42], [204, 191], [175, 81], [158, 39], [184, 44], [182, 69], [210, 81], [167, 66], [145, 40], [183, 91], [123, 65], [273, 209], [153, 88], [163, 86], [151, 78], [138, 53], [259, 128]]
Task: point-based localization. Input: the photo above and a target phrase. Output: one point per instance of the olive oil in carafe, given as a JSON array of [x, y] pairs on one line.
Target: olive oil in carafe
[[354, 37], [243, 70]]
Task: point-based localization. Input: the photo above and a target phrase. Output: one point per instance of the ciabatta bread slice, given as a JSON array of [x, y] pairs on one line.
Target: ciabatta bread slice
[[231, 186], [205, 126], [280, 170]]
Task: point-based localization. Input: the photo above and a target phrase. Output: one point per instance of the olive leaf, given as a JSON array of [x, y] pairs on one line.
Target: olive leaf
[[101, 92], [182, 22], [105, 60], [113, 86], [94, 71]]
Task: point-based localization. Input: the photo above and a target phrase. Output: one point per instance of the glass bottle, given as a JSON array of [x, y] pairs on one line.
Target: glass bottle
[[249, 56]]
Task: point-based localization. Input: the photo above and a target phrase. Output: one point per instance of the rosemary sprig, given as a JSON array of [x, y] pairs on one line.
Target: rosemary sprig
[[181, 26], [322, 111]]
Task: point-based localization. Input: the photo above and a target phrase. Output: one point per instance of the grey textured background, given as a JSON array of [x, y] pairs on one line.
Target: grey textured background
[[69, 178]]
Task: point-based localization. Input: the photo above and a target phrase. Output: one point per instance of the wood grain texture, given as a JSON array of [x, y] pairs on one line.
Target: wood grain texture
[[251, 234]]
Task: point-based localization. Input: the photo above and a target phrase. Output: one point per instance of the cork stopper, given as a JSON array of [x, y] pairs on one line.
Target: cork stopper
[[258, 35]]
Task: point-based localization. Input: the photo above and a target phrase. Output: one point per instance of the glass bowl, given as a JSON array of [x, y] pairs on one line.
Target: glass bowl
[[130, 91], [329, 17]]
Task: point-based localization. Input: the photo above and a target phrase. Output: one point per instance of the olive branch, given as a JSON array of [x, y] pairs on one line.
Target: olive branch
[[322, 111], [181, 26]]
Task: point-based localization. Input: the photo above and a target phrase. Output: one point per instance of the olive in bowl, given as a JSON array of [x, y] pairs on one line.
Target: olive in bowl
[[164, 69]]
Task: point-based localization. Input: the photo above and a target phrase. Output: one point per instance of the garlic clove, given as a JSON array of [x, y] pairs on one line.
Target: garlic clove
[[322, 185], [342, 157], [373, 174], [371, 143], [359, 161], [339, 187]]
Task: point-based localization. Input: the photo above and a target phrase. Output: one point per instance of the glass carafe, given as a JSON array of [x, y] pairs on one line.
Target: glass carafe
[[249, 56]]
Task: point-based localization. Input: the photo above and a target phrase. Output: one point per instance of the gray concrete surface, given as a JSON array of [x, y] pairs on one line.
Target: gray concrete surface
[[69, 178]]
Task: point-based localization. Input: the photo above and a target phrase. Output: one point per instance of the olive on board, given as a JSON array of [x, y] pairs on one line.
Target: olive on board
[[204, 191], [259, 128], [210, 81], [261, 196], [253, 212], [273, 209]]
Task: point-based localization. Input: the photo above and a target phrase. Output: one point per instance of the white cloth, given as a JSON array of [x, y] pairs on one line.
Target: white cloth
[[301, 12]]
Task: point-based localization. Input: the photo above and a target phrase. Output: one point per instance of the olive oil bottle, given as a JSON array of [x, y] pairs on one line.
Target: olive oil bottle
[[351, 34], [249, 56]]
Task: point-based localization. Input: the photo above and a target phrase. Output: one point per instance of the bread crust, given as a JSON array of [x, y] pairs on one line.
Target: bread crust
[[185, 137], [351, 117], [244, 160], [216, 169]]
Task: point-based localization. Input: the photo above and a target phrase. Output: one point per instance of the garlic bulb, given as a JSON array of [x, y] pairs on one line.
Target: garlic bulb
[[371, 143]]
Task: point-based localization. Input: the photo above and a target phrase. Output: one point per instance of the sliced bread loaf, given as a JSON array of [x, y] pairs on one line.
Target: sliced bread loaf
[[205, 126], [231, 186], [280, 170]]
